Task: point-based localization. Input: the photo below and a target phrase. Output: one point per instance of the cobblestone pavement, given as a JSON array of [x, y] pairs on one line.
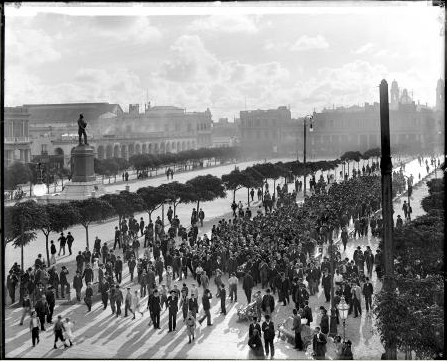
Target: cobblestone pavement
[[98, 334]]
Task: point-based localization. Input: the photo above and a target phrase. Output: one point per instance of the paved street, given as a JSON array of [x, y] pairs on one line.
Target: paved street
[[98, 334]]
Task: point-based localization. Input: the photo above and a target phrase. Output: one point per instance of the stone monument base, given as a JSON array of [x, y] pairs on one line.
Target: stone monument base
[[75, 191]]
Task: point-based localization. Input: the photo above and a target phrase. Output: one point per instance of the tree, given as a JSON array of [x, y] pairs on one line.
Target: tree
[[152, 197], [271, 171], [15, 174], [254, 179], [92, 210], [235, 180], [206, 188], [125, 204], [55, 218], [20, 222], [177, 193]]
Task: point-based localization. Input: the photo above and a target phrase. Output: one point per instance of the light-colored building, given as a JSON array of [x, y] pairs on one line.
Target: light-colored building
[[225, 134], [412, 127], [262, 131], [17, 139], [114, 133]]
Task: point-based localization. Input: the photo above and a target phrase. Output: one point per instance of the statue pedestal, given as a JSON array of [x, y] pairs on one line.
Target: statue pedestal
[[83, 183]]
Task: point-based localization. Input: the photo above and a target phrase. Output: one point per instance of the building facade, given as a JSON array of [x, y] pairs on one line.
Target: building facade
[[115, 133], [225, 134], [412, 127], [266, 131], [17, 142]]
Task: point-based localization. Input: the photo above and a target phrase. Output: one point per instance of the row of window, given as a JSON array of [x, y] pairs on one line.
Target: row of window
[[16, 128]]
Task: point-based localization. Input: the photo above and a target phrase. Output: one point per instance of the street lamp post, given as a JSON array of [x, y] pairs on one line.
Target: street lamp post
[[343, 309], [304, 152]]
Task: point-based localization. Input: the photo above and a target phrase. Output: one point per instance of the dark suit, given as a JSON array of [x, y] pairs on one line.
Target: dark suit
[[269, 335], [367, 292], [253, 326], [155, 309], [319, 346], [247, 285], [173, 309]]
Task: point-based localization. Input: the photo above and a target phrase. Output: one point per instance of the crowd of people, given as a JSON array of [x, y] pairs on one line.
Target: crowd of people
[[274, 249]]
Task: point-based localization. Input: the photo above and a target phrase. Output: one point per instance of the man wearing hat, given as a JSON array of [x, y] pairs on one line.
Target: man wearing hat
[[127, 301], [51, 300], [269, 335], [77, 285], [173, 309], [70, 241], [118, 300], [62, 240], [58, 332], [232, 282], [88, 296], [154, 307]]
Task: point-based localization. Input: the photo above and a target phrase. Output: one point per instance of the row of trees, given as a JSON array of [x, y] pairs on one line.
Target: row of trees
[[153, 162], [21, 173], [412, 317], [25, 218]]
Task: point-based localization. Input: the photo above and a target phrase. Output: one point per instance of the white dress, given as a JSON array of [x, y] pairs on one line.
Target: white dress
[[95, 269], [69, 330], [135, 303]]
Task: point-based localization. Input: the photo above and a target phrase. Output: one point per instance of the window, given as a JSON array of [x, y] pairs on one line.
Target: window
[[8, 129], [44, 148], [18, 128]]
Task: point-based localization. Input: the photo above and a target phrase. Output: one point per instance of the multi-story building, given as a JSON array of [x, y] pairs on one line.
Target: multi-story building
[[225, 134], [113, 133], [264, 131], [188, 130], [358, 128], [17, 139]]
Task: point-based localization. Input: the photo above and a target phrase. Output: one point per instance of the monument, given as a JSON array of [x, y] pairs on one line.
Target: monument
[[83, 182]]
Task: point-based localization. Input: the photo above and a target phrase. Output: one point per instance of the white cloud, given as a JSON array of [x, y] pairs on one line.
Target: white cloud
[[367, 48], [225, 24], [305, 43], [135, 30], [29, 46]]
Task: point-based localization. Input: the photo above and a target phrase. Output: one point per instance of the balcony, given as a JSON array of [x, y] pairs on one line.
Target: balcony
[[16, 140]]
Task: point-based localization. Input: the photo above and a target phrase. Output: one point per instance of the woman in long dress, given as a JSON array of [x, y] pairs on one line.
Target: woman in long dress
[[95, 269], [135, 306], [190, 325], [68, 326]]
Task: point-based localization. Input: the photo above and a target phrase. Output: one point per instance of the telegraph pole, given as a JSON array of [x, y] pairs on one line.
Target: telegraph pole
[[387, 205], [304, 157]]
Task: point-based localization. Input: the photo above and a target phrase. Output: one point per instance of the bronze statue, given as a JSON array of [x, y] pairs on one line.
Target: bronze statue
[[82, 124]]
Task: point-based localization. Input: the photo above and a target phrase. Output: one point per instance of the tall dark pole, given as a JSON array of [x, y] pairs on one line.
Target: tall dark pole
[[333, 323], [304, 158], [387, 205]]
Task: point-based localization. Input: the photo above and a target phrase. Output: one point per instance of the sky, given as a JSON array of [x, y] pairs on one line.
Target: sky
[[222, 56]]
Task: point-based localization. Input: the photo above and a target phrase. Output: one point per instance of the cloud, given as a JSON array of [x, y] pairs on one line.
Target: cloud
[[367, 48], [28, 46], [190, 61], [135, 30], [87, 84], [305, 43], [225, 24]]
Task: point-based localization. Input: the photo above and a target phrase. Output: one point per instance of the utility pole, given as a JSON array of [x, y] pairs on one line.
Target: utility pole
[[387, 205], [304, 157]]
